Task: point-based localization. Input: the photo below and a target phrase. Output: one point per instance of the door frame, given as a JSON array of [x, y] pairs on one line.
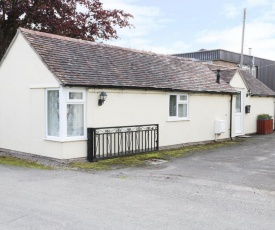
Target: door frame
[[241, 114]]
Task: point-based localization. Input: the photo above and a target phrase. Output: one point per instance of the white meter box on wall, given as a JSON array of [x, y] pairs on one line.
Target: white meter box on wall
[[219, 126]]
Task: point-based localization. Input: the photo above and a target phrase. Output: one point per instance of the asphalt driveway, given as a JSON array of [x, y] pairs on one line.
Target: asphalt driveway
[[227, 188]]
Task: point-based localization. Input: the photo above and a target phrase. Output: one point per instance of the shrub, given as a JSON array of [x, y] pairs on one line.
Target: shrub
[[264, 116]]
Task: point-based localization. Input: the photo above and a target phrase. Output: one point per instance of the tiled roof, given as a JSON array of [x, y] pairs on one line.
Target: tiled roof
[[215, 66], [82, 63], [256, 87], [227, 74]]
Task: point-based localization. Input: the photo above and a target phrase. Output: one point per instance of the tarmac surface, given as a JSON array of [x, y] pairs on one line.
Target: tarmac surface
[[232, 187]]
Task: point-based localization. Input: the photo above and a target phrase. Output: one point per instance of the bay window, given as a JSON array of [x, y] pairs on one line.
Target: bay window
[[65, 114]]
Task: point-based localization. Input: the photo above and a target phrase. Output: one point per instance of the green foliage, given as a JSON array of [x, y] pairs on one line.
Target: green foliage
[[139, 160], [123, 161], [264, 116], [61, 17], [21, 163]]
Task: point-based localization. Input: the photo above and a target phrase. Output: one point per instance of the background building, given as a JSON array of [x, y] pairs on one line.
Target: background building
[[261, 68]]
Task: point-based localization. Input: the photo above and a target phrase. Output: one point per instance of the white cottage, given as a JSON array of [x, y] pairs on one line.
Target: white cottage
[[253, 98], [53, 91]]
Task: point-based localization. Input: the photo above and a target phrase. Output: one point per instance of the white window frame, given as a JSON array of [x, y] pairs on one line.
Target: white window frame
[[183, 102], [46, 115], [68, 91], [64, 100], [75, 102]]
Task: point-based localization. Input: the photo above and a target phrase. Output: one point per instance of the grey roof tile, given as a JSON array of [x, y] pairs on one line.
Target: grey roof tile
[[256, 87], [227, 74], [82, 63]]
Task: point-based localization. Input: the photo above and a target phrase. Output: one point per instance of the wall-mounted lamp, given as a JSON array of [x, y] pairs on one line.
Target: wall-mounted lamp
[[102, 98], [249, 93]]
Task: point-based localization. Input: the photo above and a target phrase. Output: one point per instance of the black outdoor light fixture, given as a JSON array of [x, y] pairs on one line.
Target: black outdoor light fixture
[[102, 98]]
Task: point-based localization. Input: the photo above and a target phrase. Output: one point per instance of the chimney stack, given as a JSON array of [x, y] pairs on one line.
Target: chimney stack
[[218, 76]]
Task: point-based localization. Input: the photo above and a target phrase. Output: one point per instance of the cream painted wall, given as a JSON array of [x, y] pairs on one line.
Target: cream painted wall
[[133, 107], [237, 81], [259, 105], [74, 149], [23, 78]]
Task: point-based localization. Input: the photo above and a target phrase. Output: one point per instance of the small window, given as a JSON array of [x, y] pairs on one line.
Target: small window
[[75, 113], [75, 95], [178, 106], [238, 103], [75, 120], [183, 97], [53, 113], [173, 106]]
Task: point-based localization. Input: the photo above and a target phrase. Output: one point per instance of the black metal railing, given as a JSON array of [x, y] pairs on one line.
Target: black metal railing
[[111, 142]]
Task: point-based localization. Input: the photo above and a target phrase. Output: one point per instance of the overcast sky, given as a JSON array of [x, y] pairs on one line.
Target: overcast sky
[[178, 26]]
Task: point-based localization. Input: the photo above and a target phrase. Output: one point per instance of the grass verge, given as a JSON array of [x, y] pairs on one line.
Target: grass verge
[[22, 163], [139, 160]]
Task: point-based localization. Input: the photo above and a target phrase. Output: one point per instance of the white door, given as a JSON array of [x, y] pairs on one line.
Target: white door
[[239, 113]]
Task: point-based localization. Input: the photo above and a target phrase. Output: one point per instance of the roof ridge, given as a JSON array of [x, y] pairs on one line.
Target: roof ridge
[[64, 38], [45, 34], [229, 69]]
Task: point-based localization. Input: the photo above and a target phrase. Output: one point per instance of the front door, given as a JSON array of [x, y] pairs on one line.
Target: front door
[[239, 113]]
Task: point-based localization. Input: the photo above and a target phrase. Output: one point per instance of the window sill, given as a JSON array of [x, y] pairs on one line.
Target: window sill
[[65, 140], [177, 119]]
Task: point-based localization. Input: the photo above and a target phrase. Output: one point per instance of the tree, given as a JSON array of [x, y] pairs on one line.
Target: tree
[[62, 17]]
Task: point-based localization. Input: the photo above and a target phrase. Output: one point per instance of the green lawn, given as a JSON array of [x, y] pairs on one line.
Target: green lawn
[[139, 160], [22, 163], [123, 161]]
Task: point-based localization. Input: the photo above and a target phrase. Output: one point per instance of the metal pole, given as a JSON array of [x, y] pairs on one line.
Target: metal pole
[[244, 15]]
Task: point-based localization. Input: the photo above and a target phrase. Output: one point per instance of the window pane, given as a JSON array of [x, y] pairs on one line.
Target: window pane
[[53, 113], [183, 98], [76, 95], [182, 108], [75, 120], [238, 103], [173, 105]]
